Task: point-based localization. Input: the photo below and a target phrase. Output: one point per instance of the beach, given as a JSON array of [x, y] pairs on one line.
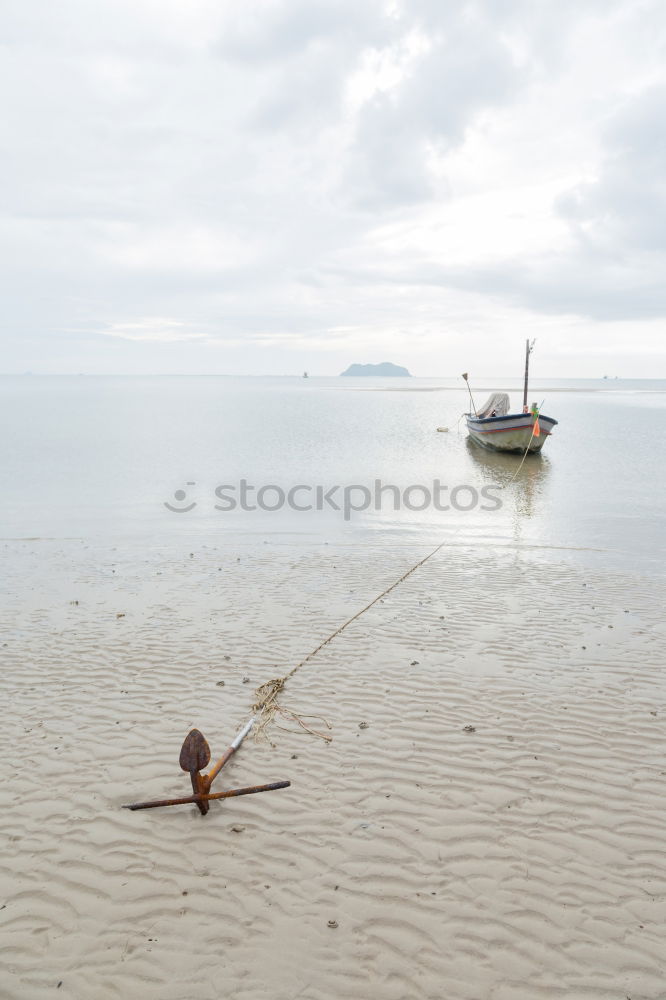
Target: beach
[[332, 511], [485, 823]]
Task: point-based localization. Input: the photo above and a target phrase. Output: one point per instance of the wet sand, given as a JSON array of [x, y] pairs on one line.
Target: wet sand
[[486, 824]]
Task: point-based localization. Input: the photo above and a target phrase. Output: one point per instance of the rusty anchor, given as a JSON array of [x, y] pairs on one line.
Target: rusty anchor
[[194, 756]]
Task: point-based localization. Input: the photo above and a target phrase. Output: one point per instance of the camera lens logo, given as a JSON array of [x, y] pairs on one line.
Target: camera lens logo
[[181, 496]]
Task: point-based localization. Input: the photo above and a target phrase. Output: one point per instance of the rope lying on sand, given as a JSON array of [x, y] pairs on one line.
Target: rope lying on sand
[[267, 706]]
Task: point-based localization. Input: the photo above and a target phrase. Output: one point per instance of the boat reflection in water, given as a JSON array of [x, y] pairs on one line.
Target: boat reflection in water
[[525, 484]]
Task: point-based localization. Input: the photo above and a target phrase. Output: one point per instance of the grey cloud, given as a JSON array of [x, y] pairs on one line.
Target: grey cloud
[[270, 31], [625, 208], [615, 267], [607, 290], [468, 68], [196, 162]]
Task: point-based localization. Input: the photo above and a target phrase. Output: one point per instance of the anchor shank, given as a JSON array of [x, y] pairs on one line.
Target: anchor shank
[[228, 754]]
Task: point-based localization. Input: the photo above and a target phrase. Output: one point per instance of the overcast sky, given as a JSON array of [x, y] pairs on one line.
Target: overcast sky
[[267, 186]]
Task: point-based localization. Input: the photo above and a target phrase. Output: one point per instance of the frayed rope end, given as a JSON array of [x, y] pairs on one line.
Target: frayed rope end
[[266, 707]]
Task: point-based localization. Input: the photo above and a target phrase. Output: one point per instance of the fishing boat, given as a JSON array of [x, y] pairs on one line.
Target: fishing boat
[[495, 427]]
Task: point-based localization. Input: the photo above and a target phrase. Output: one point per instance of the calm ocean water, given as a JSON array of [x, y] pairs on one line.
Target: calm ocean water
[[100, 457]]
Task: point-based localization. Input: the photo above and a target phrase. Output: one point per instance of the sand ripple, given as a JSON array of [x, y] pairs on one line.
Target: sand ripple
[[519, 860]]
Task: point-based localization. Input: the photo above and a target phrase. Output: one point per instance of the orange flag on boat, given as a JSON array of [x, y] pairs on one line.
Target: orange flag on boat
[[535, 414]]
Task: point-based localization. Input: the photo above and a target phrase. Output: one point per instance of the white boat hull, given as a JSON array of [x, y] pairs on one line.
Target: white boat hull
[[512, 432]]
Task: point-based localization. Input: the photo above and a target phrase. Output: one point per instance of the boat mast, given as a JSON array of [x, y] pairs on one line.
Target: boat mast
[[528, 350], [466, 377]]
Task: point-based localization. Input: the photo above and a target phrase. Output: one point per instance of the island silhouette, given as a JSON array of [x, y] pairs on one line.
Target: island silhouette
[[383, 368]]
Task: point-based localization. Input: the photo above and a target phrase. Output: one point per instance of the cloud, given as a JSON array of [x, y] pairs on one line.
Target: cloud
[[152, 329], [624, 208], [277, 30], [612, 266], [465, 68], [289, 176]]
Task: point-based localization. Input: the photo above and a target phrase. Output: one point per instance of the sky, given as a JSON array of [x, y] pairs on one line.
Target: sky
[[272, 186]]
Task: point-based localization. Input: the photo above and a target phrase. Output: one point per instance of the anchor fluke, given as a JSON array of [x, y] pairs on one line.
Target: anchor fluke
[[195, 752]]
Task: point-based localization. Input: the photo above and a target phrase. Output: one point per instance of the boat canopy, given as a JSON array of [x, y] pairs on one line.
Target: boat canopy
[[497, 406]]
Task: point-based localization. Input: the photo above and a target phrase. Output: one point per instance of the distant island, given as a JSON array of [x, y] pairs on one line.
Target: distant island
[[384, 368]]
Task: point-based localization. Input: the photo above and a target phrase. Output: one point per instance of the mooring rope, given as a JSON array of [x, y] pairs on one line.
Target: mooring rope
[[267, 706], [526, 450]]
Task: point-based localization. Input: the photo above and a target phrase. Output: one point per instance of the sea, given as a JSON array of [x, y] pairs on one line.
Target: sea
[[204, 459]]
